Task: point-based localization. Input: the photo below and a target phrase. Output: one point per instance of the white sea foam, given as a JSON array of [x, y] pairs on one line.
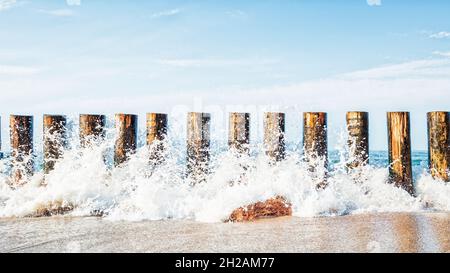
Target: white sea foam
[[137, 191]]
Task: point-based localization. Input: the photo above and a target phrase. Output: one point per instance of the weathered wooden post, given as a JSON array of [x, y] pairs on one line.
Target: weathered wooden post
[[21, 133], [358, 139], [399, 140], [198, 144], [55, 140], [315, 144], [126, 141], [274, 139], [239, 132], [92, 129], [156, 135], [439, 145]]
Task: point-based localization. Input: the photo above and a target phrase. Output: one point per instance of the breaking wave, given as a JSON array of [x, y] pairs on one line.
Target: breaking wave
[[85, 183]]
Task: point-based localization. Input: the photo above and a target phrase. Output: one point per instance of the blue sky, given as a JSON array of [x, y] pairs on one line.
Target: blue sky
[[218, 56]]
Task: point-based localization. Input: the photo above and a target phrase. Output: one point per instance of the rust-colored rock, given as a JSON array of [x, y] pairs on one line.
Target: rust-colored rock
[[274, 207]]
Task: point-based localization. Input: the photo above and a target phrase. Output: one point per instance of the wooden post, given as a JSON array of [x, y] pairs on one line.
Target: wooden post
[[21, 148], [55, 140], [358, 139], [274, 141], [439, 145], [239, 132], [126, 141], [92, 129], [198, 144], [315, 144], [156, 134], [399, 139]]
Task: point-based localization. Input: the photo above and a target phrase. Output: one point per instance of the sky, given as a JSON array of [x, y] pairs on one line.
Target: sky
[[134, 56]]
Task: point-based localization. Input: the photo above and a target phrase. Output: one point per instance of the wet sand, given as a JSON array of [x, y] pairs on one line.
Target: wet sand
[[385, 232]]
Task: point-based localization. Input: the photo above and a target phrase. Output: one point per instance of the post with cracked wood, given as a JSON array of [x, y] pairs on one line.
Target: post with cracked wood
[[21, 133], [156, 136], [274, 135], [239, 133], [92, 129], [439, 145], [55, 140], [358, 139], [198, 145], [315, 145], [126, 138], [399, 140]]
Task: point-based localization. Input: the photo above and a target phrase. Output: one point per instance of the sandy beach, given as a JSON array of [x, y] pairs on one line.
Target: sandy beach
[[385, 232]]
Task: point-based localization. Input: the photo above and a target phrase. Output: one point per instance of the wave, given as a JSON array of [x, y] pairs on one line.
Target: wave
[[84, 183]]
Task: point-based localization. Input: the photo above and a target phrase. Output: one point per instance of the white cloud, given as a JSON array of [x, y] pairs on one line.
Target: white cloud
[[13, 70], [7, 4], [409, 70], [216, 62], [374, 2], [58, 12], [443, 54], [166, 13], [237, 13], [73, 2], [440, 35]]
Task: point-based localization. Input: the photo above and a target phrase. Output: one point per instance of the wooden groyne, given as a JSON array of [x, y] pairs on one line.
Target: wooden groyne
[[55, 140], [21, 133], [399, 141], [126, 139], [239, 132], [439, 144], [274, 135], [92, 129], [156, 136], [198, 145], [358, 139], [315, 145]]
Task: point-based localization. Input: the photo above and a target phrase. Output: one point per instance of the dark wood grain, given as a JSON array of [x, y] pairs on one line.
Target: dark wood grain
[[315, 145], [198, 145], [92, 129], [55, 140], [156, 136], [439, 145], [21, 133], [274, 135], [239, 132], [126, 139], [358, 139], [399, 140]]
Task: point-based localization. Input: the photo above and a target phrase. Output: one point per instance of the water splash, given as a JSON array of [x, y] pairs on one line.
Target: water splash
[[85, 180]]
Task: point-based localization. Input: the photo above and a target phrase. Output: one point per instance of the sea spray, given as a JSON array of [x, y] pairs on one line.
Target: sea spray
[[85, 181]]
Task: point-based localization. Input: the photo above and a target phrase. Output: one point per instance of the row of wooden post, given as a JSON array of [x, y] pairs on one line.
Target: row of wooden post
[[92, 127]]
